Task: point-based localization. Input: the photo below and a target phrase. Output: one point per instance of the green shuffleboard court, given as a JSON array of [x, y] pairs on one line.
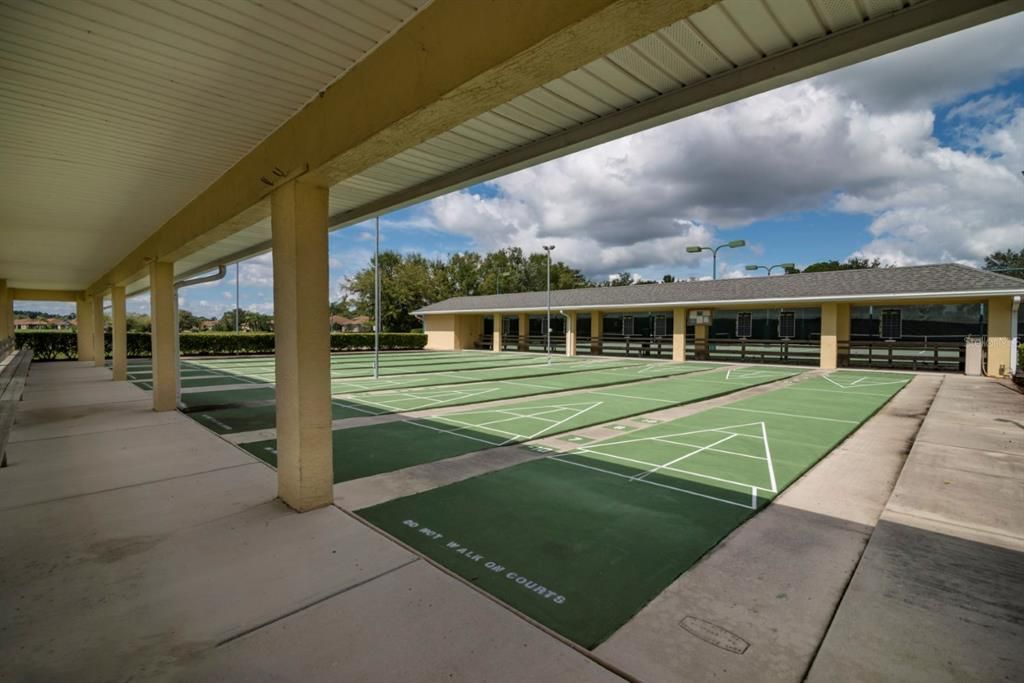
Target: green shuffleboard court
[[581, 541], [376, 449], [235, 418]]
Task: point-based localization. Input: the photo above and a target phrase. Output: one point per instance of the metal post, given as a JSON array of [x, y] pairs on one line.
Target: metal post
[[548, 248], [376, 302], [238, 308]]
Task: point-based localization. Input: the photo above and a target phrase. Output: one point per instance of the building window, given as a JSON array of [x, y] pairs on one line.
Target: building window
[[627, 325], [892, 324], [506, 325], [744, 325], [659, 326], [787, 325]]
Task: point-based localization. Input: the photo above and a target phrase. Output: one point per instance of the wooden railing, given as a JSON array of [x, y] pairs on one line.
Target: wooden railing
[[758, 351], [914, 355]]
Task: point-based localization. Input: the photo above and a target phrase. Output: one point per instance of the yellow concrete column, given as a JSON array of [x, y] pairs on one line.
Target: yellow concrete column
[[83, 312], [829, 336], [496, 337], [999, 334], [679, 335], [596, 327], [163, 335], [119, 333], [6, 316], [843, 335], [98, 343], [570, 334], [305, 467], [524, 331]]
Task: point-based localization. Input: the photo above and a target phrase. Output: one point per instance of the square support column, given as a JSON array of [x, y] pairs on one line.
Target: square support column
[[83, 319], [570, 334], [596, 327], [6, 313], [305, 467], [999, 333], [163, 318], [843, 335], [98, 342], [829, 336], [119, 333], [524, 331], [496, 336], [679, 335]]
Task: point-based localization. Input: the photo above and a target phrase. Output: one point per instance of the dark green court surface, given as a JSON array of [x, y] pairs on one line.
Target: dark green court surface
[[249, 418], [581, 541], [226, 398], [388, 447]]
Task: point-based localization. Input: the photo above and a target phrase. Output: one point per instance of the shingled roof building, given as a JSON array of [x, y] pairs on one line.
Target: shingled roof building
[[914, 317]]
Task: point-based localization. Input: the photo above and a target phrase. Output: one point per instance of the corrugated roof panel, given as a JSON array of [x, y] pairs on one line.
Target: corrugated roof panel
[[567, 109], [685, 38], [758, 24], [609, 97], [622, 79], [640, 67], [838, 14], [797, 18], [721, 32], [517, 130], [879, 7], [534, 116]]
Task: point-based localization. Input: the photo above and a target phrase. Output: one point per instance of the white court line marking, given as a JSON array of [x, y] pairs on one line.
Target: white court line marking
[[834, 391], [803, 417], [582, 450], [716, 450], [633, 398], [873, 384], [653, 483], [768, 455], [689, 433], [684, 457], [571, 417], [487, 425], [453, 433]]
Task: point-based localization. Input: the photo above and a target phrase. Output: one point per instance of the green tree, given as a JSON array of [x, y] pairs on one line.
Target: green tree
[[188, 322], [137, 322], [853, 263], [1008, 262]]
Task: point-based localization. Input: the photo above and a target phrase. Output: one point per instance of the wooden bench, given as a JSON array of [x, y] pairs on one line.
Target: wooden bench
[[13, 373]]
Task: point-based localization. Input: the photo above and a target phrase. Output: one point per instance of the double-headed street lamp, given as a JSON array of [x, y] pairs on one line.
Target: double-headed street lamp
[[784, 266], [549, 248], [714, 253]]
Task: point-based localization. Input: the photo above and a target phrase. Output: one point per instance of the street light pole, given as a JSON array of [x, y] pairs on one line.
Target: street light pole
[[714, 253], [784, 266], [548, 248], [376, 302], [236, 297]]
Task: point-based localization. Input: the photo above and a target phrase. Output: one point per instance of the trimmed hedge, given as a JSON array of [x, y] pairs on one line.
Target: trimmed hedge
[[61, 344]]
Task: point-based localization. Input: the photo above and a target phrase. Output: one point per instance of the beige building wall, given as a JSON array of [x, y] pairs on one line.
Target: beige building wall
[[679, 334], [1000, 336], [440, 331]]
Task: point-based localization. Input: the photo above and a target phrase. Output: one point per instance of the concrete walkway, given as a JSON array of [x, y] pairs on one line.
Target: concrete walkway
[[939, 592], [139, 546]]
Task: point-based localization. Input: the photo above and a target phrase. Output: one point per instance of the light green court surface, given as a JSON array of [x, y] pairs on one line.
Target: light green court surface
[[580, 541], [237, 419], [365, 451]]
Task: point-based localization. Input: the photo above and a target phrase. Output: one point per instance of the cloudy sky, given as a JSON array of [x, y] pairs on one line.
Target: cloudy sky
[[914, 157]]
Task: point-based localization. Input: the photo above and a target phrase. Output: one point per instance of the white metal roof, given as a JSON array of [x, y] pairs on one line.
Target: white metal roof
[[728, 51], [115, 114]]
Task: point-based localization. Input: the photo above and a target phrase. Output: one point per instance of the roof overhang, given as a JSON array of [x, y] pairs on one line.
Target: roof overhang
[[951, 297]]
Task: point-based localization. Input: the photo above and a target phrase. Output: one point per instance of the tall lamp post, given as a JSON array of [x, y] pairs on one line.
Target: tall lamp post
[[714, 253], [784, 266], [549, 248], [376, 301], [501, 274]]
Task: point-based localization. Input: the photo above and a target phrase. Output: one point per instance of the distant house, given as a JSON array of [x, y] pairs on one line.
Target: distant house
[[42, 324], [360, 323], [207, 325]]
